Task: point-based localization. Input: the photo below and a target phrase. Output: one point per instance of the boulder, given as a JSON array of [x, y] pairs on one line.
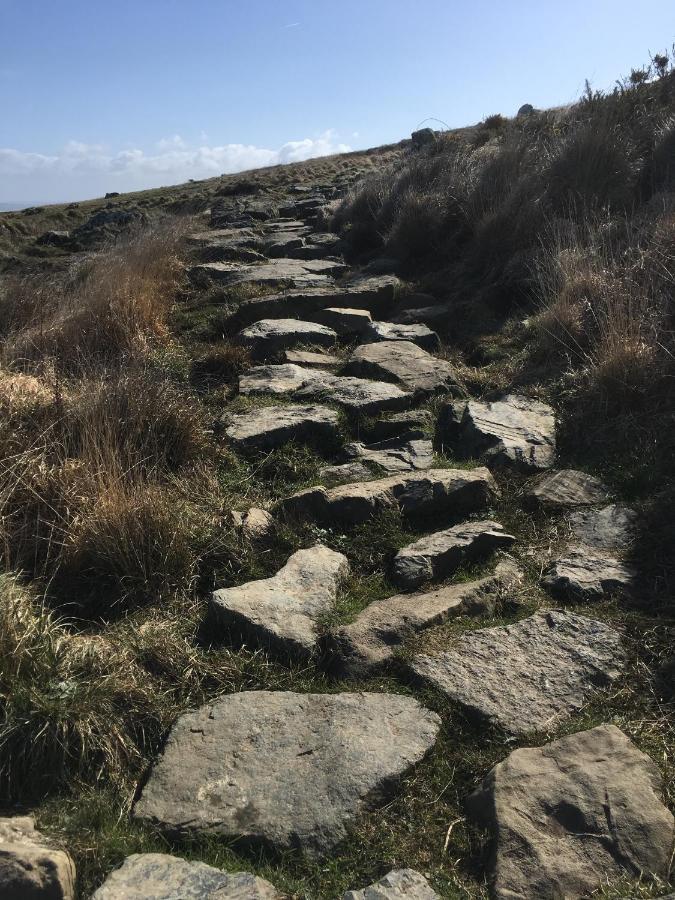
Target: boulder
[[254, 524], [586, 574], [106, 225], [440, 492], [30, 866], [609, 528], [557, 490], [403, 363], [282, 612], [573, 815], [423, 136], [270, 336], [514, 432], [159, 876], [394, 455], [368, 643], [344, 320], [311, 360], [525, 110], [529, 675], [268, 427], [399, 884], [415, 333], [284, 770]]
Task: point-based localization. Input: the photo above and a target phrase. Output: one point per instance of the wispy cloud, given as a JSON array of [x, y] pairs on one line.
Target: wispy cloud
[[292, 25]]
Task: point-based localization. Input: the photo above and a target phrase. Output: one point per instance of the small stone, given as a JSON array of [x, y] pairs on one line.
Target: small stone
[[158, 876], [586, 574], [389, 331], [255, 524], [269, 336], [609, 528], [368, 643], [404, 363], [395, 455], [30, 867], [568, 487], [284, 770], [529, 675], [442, 553], [573, 815], [343, 320], [399, 884], [269, 427], [311, 360]]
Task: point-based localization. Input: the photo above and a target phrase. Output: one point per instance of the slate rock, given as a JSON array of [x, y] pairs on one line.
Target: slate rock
[[159, 876], [557, 490], [416, 494], [440, 554], [529, 675], [30, 867], [572, 815], [310, 359], [368, 643], [269, 336], [285, 770], [403, 363], [295, 273], [586, 574], [344, 320], [415, 333], [282, 612], [399, 884], [394, 455], [272, 426], [344, 472], [610, 528]]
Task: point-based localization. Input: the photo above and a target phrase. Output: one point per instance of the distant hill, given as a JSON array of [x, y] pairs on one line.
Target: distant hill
[[11, 205]]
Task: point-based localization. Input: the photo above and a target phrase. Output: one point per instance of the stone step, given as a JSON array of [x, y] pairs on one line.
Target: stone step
[[282, 613], [312, 360], [284, 770], [415, 333], [344, 320], [530, 675], [296, 273], [404, 363], [270, 336], [440, 554], [268, 427], [394, 455], [558, 490], [399, 884], [583, 573]]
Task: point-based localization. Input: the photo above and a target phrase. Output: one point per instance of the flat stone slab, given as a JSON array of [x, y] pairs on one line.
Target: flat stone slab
[[515, 432], [310, 359], [610, 528], [434, 491], [529, 675], [297, 273], [282, 612], [344, 320], [403, 363], [399, 884], [285, 770], [416, 333], [395, 455], [356, 394], [270, 336], [368, 643], [268, 427], [573, 815], [30, 865], [558, 490], [440, 554], [341, 474], [582, 573], [159, 876]]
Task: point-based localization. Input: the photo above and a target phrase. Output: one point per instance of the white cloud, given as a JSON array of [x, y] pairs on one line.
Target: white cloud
[[95, 168]]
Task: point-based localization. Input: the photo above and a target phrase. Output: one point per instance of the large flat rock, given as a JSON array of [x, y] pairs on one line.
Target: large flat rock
[[399, 884], [566, 488], [282, 612], [403, 363], [609, 528], [529, 675], [159, 876], [343, 320], [394, 455], [368, 643], [514, 432], [292, 273], [30, 866], [356, 394], [440, 554], [268, 427], [310, 359], [285, 770], [573, 815], [582, 573], [416, 333], [269, 336], [448, 492]]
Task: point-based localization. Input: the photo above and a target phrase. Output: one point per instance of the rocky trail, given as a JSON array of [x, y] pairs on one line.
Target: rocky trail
[[350, 362]]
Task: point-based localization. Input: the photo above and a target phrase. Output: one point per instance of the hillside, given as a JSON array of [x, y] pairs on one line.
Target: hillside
[[337, 515]]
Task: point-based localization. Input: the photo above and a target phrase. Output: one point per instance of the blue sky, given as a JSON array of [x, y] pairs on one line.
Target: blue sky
[[101, 96]]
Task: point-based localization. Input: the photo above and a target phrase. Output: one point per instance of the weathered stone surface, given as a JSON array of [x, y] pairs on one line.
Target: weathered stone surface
[[609, 528], [434, 491], [572, 815], [395, 455], [284, 769], [272, 426], [270, 336], [414, 424], [341, 474], [440, 554], [344, 320], [311, 360], [415, 333], [281, 612], [29, 866], [586, 574], [404, 363], [278, 245], [368, 643], [529, 675], [568, 487], [158, 876], [357, 394], [254, 524], [515, 432], [399, 884], [296, 273]]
